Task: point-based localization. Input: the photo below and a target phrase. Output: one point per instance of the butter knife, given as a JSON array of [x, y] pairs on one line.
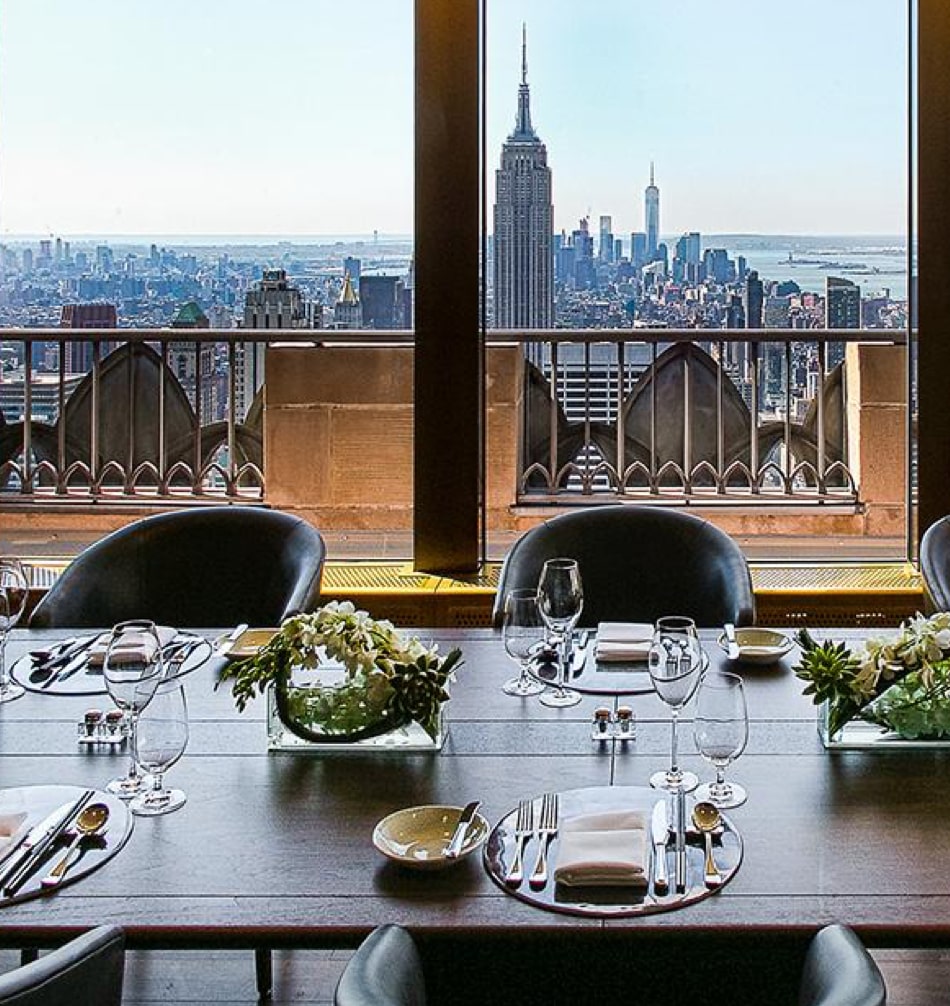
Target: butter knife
[[660, 833], [680, 842], [454, 848]]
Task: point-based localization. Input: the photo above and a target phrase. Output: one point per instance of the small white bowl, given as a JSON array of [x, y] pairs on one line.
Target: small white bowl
[[759, 646], [417, 836]]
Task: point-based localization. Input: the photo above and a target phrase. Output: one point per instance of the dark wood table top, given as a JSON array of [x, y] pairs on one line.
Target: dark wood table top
[[275, 849]]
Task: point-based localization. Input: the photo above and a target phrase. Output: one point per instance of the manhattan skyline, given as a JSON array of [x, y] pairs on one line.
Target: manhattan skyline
[[116, 122]]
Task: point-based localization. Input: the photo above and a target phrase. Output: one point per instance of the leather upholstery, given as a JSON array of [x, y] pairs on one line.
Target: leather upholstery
[[935, 563], [840, 972], [638, 563], [199, 568], [85, 972], [384, 971]]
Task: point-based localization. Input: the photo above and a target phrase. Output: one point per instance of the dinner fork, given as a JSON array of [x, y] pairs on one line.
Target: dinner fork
[[547, 829], [524, 829]]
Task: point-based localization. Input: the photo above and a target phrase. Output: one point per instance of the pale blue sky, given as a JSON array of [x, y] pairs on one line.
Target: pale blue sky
[[243, 117]]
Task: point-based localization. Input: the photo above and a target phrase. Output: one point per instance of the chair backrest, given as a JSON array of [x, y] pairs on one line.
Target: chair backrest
[[935, 563], [840, 972], [384, 971], [200, 568], [87, 971], [638, 563]]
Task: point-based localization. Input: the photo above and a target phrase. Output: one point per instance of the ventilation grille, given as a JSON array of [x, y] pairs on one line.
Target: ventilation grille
[[849, 578]]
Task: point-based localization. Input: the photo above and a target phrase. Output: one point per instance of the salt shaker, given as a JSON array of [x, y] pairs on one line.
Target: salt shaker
[[600, 731], [626, 724]]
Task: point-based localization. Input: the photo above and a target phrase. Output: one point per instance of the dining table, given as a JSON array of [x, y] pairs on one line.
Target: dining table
[[274, 849]]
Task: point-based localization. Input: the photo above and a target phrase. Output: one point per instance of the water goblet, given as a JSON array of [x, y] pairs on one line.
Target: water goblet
[[721, 730], [132, 670], [14, 587], [523, 632], [676, 666], [161, 736], [560, 601]]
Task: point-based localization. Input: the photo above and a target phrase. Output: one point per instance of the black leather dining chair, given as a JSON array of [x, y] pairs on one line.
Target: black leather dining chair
[[213, 566], [638, 563], [840, 972], [384, 971], [935, 563], [87, 971]]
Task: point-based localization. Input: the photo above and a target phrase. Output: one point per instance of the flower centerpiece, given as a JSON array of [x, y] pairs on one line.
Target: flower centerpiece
[[900, 682], [381, 680]]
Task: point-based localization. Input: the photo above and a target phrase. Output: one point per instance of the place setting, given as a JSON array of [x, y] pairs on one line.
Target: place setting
[[52, 836], [74, 666]]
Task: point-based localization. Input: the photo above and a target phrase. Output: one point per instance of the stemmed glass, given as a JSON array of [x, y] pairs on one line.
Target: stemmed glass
[[14, 587], [560, 601], [676, 666], [161, 736], [721, 730], [523, 632], [132, 669]]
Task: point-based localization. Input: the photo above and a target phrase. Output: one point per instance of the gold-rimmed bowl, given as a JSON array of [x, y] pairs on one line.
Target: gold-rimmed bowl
[[417, 837], [759, 646]]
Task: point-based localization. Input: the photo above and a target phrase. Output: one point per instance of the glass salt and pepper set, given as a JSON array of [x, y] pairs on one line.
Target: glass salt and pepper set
[[614, 726]]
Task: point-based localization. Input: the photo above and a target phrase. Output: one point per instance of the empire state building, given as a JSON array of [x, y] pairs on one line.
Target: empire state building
[[524, 224]]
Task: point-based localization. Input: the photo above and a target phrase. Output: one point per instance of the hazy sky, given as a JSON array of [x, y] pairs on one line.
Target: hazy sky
[[241, 117]]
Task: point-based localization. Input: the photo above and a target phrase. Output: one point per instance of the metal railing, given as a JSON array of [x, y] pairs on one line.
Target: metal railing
[[673, 415]]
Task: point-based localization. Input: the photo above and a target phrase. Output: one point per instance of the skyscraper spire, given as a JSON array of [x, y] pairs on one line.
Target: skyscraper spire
[[523, 128], [651, 173]]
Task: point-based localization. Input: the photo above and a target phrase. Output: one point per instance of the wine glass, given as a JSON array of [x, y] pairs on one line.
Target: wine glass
[[132, 670], [560, 601], [721, 730], [676, 666], [14, 587], [161, 736], [523, 632]]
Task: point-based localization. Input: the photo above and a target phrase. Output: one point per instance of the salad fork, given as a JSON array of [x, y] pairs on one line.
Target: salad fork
[[524, 829], [547, 829]]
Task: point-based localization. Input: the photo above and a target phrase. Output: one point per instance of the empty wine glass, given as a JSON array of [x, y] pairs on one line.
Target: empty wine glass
[[676, 666], [721, 730], [523, 633], [560, 601], [132, 670], [14, 587], [161, 736]]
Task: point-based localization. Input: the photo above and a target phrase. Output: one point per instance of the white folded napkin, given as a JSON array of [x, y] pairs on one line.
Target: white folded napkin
[[623, 641], [10, 827], [97, 653], [603, 850]]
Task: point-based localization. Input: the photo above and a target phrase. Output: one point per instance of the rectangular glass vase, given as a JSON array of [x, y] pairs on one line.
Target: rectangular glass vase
[[858, 735], [406, 738]]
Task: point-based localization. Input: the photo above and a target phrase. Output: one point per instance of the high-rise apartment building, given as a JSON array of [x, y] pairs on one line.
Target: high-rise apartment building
[[606, 250], [842, 310], [651, 201], [79, 354], [523, 224], [753, 300]]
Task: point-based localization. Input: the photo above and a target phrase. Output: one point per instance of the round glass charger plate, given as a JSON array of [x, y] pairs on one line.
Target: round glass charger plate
[[88, 680], [91, 853], [605, 677], [612, 902]]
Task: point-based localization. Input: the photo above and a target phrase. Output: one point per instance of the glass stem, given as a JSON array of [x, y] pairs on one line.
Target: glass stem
[[4, 677], [133, 767], [158, 784], [720, 777], [674, 754], [563, 662]]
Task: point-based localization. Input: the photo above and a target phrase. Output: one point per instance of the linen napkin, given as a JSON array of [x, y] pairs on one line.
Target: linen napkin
[[623, 641], [10, 827], [97, 653], [603, 850]]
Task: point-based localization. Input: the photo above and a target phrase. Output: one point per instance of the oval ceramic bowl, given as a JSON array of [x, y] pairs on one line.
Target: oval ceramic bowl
[[760, 646], [417, 836]]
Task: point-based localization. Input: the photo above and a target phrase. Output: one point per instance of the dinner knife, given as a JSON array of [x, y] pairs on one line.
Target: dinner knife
[[454, 848], [40, 838], [660, 832], [680, 842]]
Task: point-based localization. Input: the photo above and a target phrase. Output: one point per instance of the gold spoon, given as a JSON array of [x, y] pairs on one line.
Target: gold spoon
[[90, 821], [707, 818]]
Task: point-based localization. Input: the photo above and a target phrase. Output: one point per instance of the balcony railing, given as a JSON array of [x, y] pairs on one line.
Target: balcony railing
[[756, 417]]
